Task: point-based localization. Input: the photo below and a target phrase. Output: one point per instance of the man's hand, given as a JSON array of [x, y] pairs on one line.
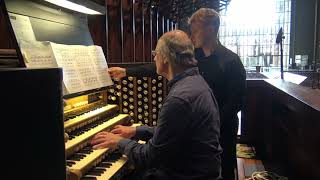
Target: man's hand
[[124, 131], [105, 140], [117, 72]]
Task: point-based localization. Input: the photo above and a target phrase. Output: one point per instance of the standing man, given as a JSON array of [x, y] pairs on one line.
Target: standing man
[[224, 73], [185, 143]]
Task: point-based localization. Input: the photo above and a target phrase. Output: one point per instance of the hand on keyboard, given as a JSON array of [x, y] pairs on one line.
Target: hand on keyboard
[[124, 131], [105, 140]]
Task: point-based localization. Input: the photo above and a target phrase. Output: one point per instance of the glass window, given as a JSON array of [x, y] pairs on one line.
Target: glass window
[[250, 28]]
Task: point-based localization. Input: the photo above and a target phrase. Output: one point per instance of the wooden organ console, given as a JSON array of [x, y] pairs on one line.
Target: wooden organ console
[[78, 116], [131, 100], [128, 101], [79, 120], [82, 120]]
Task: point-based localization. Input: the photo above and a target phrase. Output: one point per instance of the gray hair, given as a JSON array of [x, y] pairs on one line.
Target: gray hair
[[178, 48]]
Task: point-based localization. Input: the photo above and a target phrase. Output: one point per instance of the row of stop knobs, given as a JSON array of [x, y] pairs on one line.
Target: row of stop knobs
[[141, 98]]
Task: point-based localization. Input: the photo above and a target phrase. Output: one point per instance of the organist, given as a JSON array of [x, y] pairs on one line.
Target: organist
[[185, 144]]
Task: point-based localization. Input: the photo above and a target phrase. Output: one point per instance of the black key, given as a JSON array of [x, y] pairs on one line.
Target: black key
[[94, 173], [75, 157], [100, 169], [88, 178], [105, 164], [85, 151], [81, 155], [70, 163]]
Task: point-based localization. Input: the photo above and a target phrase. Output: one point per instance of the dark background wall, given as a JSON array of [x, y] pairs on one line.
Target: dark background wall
[[303, 28]]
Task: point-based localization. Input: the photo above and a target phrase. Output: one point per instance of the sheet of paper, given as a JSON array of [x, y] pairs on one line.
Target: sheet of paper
[[100, 66], [37, 54], [84, 67], [22, 27], [67, 62]]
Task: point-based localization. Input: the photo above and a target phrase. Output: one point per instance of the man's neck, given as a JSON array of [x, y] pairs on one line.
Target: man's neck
[[173, 72], [210, 47]]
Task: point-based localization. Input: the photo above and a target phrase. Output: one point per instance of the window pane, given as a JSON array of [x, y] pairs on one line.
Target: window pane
[[251, 31]]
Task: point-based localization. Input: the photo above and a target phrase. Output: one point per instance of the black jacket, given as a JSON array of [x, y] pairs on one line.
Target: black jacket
[[185, 143]]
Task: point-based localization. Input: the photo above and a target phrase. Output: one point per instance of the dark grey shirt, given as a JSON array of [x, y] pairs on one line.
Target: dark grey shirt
[[185, 143]]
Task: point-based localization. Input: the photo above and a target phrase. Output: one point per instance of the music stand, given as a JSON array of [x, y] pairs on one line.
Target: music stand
[[279, 41]]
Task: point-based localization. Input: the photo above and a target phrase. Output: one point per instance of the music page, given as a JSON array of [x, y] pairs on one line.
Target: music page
[[84, 67], [37, 54], [22, 27]]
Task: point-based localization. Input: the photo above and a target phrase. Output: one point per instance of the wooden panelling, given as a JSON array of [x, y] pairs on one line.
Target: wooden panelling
[[160, 25], [6, 41], [282, 121], [147, 35], [139, 31], [155, 30], [114, 31], [97, 27], [133, 30], [165, 24], [172, 27], [128, 31]]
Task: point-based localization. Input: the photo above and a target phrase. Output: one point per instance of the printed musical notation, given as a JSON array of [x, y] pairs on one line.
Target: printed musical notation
[[37, 54], [84, 67], [22, 27]]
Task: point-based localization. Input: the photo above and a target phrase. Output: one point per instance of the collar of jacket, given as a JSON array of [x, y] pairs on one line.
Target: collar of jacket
[[199, 54], [189, 72]]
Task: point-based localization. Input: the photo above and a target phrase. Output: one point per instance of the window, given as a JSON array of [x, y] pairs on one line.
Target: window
[[249, 28]]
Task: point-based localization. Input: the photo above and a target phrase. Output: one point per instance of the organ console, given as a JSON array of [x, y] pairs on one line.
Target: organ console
[[80, 125], [122, 103], [85, 112]]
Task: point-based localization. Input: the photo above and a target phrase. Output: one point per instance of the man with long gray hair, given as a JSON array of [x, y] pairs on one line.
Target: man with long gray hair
[[185, 143]]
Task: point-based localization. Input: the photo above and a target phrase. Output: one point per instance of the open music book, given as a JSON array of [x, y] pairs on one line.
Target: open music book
[[84, 67]]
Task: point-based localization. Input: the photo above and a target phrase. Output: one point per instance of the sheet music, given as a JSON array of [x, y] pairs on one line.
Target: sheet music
[[71, 78], [22, 27], [100, 66], [37, 54], [84, 67]]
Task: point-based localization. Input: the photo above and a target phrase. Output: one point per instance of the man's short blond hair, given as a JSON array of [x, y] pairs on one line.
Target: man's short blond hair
[[206, 16]]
